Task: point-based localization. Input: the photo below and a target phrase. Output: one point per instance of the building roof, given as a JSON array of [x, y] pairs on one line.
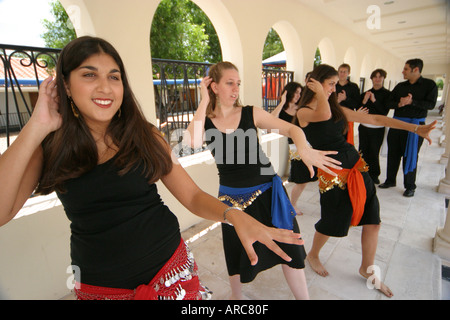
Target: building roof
[[25, 75]]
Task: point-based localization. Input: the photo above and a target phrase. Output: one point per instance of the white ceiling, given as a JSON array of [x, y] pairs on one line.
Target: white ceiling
[[407, 28]]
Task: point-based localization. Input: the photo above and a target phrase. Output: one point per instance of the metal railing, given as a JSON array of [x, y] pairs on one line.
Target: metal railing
[[273, 83], [37, 63], [176, 86]]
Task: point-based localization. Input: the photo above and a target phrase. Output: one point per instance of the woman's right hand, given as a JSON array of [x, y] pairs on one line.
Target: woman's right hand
[[46, 111], [204, 87]]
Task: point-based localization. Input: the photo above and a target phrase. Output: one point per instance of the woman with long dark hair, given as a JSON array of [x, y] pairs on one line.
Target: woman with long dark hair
[[88, 140], [350, 198]]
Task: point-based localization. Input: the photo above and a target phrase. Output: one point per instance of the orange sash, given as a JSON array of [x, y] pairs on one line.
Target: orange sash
[[353, 179], [350, 134]]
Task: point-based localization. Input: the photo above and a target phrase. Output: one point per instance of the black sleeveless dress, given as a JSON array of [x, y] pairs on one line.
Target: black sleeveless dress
[[121, 231], [242, 163], [336, 207]]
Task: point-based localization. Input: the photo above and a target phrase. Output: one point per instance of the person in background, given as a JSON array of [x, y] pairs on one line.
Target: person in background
[[348, 95], [298, 172], [370, 136], [348, 199], [411, 101]]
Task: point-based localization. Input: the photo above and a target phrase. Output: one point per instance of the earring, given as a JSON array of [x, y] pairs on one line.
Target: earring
[[119, 113], [72, 105]]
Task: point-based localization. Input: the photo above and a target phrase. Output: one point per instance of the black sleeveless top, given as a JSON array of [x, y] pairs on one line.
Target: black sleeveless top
[[328, 136], [239, 157], [122, 233]]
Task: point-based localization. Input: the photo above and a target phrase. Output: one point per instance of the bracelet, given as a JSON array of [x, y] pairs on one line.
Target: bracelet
[[415, 129], [226, 211]]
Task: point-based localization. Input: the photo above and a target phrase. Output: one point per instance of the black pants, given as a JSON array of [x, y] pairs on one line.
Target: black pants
[[396, 149], [370, 141]]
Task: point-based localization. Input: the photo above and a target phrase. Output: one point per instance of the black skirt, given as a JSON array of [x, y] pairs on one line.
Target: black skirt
[[299, 172], [235, 255]]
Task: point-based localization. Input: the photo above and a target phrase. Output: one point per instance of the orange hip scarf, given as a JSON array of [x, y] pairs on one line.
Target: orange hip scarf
[[351, 134], [353, 179]]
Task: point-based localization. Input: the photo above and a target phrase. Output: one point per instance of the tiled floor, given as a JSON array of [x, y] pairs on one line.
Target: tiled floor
[[404, 255]]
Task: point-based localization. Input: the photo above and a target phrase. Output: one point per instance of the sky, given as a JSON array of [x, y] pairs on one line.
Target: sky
[[20, 21]]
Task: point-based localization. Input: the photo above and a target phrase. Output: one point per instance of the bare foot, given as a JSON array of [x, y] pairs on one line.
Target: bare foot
[[317, 266], [380, 286]]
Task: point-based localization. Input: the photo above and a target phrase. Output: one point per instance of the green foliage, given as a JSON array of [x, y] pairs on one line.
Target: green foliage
[[273, 44], [59, 32], [317, 58], [182, 31]]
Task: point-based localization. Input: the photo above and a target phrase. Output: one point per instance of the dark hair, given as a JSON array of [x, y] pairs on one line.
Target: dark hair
[[415, 63], [321, 73], [291, 88], [382, 73], [216, 73], [71, 150]]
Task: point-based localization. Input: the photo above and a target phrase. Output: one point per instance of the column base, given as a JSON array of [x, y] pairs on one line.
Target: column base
[[441, 244]]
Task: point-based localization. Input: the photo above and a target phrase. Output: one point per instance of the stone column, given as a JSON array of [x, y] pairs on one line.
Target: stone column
[[441, 243]]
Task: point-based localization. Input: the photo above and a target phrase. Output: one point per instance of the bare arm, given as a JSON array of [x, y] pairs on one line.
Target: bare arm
[[277, 110], [249, 230], [379, 120], [195, 131], [310, 157], [21, 164]]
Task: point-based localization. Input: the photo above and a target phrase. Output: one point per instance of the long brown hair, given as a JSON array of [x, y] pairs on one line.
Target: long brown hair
[[321, 73], [71, 150], [216, 73]]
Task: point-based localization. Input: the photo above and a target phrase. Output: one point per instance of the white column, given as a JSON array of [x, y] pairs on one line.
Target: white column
[[441, 243]]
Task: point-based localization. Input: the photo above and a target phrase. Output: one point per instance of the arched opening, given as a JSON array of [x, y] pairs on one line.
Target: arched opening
[[282, 62], [327, 52], [183, 45]]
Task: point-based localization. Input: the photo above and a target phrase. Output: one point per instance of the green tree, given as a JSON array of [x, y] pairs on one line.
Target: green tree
[[273, 44], [317, 58], [59, 32], [182, 31]]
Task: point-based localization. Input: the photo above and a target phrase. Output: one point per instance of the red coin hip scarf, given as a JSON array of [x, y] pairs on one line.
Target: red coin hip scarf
[[353, 179], [177, 280]]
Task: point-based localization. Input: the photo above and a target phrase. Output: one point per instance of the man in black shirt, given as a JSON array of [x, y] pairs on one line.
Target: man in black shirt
[[347, 91], [348, 95], [411, 100], [371, 137]]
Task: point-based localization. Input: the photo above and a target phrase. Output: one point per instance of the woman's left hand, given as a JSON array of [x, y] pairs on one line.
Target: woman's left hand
[[312, 157], [250, 231]]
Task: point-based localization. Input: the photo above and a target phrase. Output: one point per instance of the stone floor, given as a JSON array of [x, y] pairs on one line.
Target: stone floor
[[404, 255]]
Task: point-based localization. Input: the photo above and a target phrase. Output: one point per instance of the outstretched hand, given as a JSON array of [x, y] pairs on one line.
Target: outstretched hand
[[424, 130], [312, 157], [250, 231]]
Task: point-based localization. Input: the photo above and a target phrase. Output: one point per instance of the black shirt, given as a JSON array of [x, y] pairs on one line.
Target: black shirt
[[353, 96], [424, 94], [122, 233], [380, 106]]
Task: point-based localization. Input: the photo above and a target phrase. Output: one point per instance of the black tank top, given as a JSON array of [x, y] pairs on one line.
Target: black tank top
[[122, 233], [239, 157]]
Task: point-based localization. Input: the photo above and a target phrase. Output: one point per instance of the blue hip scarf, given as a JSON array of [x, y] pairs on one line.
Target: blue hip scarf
[[412, 146], [283, 212]]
